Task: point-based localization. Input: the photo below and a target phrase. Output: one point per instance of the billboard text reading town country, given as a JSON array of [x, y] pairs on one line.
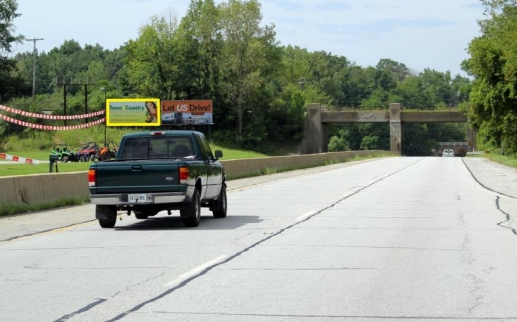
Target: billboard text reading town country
[[133, 112], [195, 112]]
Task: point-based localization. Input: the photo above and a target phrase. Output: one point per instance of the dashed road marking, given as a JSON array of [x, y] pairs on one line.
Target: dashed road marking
[[302, 217], [195, 271]]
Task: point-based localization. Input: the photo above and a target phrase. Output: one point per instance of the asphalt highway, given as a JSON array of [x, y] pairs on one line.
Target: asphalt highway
[[409, 239]]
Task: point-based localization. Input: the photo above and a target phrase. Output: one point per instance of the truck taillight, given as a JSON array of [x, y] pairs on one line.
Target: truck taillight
[[183, 175], [91, 178], [157, 133]]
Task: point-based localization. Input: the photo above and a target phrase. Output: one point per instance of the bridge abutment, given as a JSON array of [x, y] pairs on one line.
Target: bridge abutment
[[313, 142], [395, 129]]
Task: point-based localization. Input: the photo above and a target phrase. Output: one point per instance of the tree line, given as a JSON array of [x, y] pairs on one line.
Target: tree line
[[260, 88], [493, 64]]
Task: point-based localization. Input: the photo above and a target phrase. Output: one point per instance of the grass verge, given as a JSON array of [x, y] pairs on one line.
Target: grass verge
[[507, 160], [8, 210], [26, 169]]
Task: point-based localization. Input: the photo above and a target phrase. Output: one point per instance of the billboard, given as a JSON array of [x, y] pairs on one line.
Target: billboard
[[187, 112], [133, 112]]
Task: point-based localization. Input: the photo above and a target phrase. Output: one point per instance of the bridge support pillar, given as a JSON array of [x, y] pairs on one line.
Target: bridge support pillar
[[314, 141], [395, 129], [471, 139]]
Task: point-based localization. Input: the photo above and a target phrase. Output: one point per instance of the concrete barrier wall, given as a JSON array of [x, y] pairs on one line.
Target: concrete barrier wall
[[242, 167], [44, 188]]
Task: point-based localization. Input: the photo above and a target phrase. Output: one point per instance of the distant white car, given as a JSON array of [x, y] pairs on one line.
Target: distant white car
[[448, 153]]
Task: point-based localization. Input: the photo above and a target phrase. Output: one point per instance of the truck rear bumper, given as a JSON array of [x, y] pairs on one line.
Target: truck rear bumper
[[119, 199]]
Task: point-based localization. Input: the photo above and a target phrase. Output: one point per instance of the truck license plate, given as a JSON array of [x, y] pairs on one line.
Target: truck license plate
[[137, 198]]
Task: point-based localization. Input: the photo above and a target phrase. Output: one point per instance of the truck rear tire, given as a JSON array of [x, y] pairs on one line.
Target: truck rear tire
[[192, 214], [107, 215], [220, 206]]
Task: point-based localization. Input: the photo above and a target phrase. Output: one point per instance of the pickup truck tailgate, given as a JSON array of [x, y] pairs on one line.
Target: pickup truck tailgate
[[142, 176]]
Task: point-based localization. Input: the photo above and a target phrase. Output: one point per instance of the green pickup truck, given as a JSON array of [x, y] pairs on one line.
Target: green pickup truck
[[159, 171]]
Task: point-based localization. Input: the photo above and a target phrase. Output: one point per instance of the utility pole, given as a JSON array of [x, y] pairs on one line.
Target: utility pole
[[76, 81], [34, 67]]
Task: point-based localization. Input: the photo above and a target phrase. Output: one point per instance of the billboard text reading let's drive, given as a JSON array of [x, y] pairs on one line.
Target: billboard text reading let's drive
[[133, 112], [187, 112]]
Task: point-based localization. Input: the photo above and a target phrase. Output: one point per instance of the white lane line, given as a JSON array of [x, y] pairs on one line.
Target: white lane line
[[302, 217], [195, 271]]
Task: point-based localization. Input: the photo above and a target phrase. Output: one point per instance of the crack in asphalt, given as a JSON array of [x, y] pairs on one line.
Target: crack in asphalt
[[383, 217], [476, 280], [498, 206], [95, 268], [484, 186], [303, 269], [103, 247], [497, 203], [100, 301], [137, 284], [244, 236], [44, 231], [477, 289], [328, 316], [372, 247], [375, 228], [82, 310], [249, 248]]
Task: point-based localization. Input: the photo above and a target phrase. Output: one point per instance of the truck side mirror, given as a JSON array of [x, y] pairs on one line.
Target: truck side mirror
[[218, 154]]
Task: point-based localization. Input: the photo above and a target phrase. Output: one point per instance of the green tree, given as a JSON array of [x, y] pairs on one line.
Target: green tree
[[493, 63], [398, 70], [152, 66], [248, 54], [357, 85], [11, 82], [7, 15], [338, 143], [411, 94], [201, 42]]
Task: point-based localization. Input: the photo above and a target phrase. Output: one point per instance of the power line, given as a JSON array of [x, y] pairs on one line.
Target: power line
[[34, 67]]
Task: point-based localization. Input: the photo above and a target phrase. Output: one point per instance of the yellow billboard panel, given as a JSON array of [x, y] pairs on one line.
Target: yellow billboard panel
[[133, 112]]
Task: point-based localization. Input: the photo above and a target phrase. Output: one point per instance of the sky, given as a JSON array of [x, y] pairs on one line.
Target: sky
[[419, 33]]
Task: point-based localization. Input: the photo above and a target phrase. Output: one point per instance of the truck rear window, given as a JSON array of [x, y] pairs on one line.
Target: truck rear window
[[158, 147]]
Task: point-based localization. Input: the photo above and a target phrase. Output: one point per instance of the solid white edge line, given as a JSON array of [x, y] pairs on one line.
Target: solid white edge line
[[302, 217], [194, 271]]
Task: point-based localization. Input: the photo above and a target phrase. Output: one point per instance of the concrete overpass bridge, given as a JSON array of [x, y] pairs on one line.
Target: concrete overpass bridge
[[318, 118]]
